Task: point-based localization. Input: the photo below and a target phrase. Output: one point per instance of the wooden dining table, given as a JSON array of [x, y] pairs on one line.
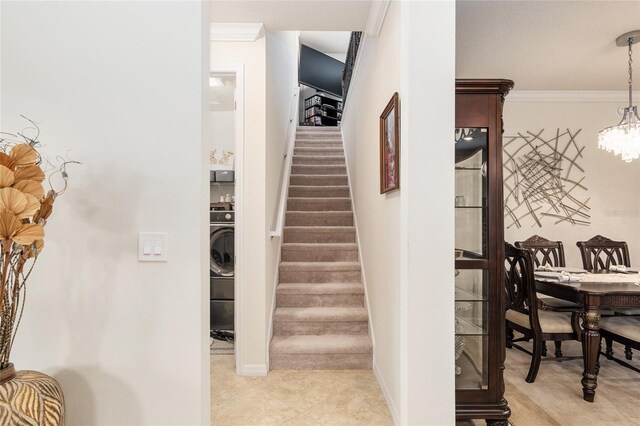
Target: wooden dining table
[[592, 296]]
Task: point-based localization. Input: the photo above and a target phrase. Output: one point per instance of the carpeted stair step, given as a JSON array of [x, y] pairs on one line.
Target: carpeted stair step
[[318, 135], [319, 191], [318, 138], [319, 234], [318, 151], [325, 352], [314, 129], [319, 218], [317, 143], [318, 180], [320, 320], [319, 266], [327, 252], [319, 159], [325, 294], [320, 272], [303, 169], [301, 204]]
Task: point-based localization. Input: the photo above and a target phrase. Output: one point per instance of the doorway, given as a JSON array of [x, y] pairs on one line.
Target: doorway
[[225, 210]]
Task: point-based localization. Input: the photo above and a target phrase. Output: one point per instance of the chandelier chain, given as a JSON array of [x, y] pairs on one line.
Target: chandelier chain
[[630, 70]]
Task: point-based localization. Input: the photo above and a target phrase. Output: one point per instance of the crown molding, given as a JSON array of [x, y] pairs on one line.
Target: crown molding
[[236, 31], [377, 12], [569, 96]]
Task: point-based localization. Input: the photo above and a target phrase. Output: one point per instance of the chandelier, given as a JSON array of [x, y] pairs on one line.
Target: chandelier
[[624, 139]]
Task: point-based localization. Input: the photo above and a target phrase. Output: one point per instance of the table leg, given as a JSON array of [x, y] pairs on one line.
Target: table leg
[[590, 344]]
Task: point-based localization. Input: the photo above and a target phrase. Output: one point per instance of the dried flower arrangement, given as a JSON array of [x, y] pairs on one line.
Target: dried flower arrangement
[[24, 210]]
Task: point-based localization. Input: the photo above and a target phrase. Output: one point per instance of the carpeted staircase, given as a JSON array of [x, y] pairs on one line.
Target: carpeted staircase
[[320, 321]]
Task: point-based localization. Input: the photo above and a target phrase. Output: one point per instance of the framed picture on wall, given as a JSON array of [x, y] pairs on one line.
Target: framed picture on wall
[[390, 146]]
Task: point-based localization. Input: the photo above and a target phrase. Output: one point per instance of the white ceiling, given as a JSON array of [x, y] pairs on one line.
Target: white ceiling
[[326, 41], [298, 15], [547, 45]]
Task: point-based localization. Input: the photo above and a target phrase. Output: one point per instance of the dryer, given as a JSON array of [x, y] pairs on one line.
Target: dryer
[[221, 266]]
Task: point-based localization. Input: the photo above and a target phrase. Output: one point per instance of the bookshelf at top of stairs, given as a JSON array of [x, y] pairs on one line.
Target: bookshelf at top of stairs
[[320, 320]]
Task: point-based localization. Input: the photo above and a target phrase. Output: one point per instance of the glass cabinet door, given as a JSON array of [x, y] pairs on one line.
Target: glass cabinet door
[[471, 192], [472, 264]]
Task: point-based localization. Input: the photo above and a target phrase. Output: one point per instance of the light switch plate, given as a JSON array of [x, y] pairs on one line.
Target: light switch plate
[[152, 246]]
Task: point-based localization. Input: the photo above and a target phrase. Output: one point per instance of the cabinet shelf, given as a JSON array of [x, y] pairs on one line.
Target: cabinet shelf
[[322, 110], [326, 106], [468, 254], [467, 296], [324, 116], [331, 107], [469, 328]]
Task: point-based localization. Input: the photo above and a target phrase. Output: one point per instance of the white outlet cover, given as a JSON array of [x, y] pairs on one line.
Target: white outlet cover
[[152, 247]]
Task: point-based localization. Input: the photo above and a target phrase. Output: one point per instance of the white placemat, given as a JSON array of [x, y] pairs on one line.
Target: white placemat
[[611, 278], [558, 276], [568, 269]]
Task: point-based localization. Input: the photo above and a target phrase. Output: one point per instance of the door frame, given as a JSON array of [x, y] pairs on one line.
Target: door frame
[[238, 70]]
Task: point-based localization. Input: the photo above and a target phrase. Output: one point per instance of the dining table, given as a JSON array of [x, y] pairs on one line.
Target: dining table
[[592, 297]]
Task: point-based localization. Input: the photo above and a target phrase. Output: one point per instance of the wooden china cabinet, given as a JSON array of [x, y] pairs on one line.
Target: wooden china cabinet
[[479, 288]]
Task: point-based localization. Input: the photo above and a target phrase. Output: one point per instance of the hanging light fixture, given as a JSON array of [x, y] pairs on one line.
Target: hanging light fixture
[[624, 139]]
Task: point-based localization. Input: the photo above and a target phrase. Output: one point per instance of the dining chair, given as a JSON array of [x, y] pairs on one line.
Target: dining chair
[[599, 253], [624, 330], [551, 253], [544, 251], [523, 314]]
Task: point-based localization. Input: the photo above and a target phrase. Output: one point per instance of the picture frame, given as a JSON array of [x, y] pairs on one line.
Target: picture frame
[[390, 146]]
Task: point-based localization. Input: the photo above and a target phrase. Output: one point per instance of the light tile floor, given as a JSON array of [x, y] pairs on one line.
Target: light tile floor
[[354, 398], [555, 398], [300, 398]]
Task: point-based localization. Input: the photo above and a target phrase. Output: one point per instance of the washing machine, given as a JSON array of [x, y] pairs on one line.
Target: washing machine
[[221, 265]]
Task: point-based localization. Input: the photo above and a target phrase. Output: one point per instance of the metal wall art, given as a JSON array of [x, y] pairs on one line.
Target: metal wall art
[[543, 179]]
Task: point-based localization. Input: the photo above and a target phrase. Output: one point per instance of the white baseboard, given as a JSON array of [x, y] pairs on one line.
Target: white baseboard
[[393, 410], [253, 370]]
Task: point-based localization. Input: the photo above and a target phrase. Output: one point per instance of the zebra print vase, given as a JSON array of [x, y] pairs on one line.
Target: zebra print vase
[[30, 398]]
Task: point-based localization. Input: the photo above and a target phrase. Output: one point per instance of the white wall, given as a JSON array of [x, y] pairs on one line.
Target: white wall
[[270, 67], [342, 57], [126, 340], [426, 206], [613, 185], [282, 79], [377, 216], [222, 131], [222, 139], [406, 236], [255, 234], [1, 67]]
